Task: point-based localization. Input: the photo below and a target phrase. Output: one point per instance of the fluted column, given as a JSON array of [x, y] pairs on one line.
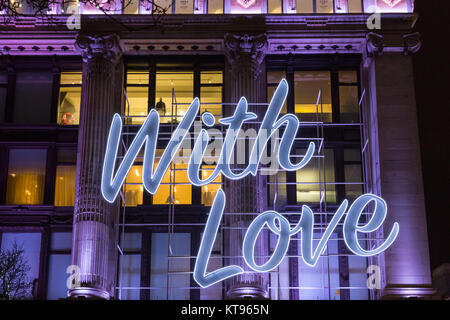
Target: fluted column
[[396, 172], [93, 225], [245, 77]]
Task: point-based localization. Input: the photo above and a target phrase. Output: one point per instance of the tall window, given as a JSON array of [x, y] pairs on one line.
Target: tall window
[[273, 79], [69, 98], [58, 261], [137, 95], [174, 94], [175, 186], [30, 242], [134, 190], [32, 102], [348, 97], [209, 191], [308, 85], [211, 85], [65, 178], [130, 266], [170, 277], [26, 176]]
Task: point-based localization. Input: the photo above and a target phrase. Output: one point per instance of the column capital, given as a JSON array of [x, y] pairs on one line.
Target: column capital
[[245, 49], [412, 43], [99, 45], [375, 44]]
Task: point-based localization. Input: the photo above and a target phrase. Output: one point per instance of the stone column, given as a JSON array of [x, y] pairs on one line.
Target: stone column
[[396, 172], [93, 247], [245, 76]]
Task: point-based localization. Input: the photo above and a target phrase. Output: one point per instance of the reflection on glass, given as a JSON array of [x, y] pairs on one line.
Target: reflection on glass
[[69, 98], [348, 99], [26, 176], [174, 93], [134, 190], [65, 186], [209, 191], [312, 179], [307, 87]]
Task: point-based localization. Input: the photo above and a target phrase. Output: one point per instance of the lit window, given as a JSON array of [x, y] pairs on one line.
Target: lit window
[[184, 6], [134, 189], [174, 94], [211, 93], [305, 6], [274, 6], [209, 191], [308, 85], [215, 6], [315, 180], [162, 6], [137, 95], [273, 80], [69, 98], [59, 260], [348, 97], [65, 178], [130, 6], [26, 176]]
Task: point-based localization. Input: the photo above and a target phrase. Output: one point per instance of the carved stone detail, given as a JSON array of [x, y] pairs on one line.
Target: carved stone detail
[[375, 44], [104, 46], [412, 43], [246, 49]]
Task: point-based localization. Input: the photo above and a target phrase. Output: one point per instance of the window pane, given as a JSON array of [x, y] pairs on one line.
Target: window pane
[[305, 6], [65, 186], [270, 93], [32, 100], [274, 77], [209, 191], [211, 101], [348, 99], [163, 6], [278, 187], [132, 241], [174, 94], [135, 190], [71, 78], [354, 6], [164, 271], [211, 77], [26, 174], [184, 6], [31, 244], [131, 7], [57, 276], [215, 6], [312, 178], [274, 6], [181, 187], [353, 176], [61, 241], [307, 87], [130, 276], [137, 94], [246, 7], [324, 6], [348, 76]]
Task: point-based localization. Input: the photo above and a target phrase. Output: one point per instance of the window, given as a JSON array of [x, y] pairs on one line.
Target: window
[[348, 97], [174, 183], [170, 270], [130, 266], [274, 6], [315, 180], [163, 5], [353, 173], [130, 7], [65, 178], [215, 6], [134, 189], [69, 98], [31, 244], [32, 102], [246, 7], [174, 94], [26, 176], [184, 6], [308, 85], [3, 84], [137, 95], [59, 260], [315, 6], [209, 191], [211, 83], [273, 80]]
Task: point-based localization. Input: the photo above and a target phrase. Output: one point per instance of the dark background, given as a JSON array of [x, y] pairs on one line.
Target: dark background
[[432, 80]]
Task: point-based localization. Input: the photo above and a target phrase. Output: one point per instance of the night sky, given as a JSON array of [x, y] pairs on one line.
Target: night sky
[[432, 78]]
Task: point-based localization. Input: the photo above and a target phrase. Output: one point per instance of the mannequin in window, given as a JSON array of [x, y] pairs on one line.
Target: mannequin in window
[[161, 107], [67, 119], [67, 110]]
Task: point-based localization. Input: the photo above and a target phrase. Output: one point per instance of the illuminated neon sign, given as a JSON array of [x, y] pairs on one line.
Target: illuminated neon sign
[[279, 225]]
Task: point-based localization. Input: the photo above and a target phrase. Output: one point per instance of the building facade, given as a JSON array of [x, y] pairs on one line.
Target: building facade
[[351, 85]]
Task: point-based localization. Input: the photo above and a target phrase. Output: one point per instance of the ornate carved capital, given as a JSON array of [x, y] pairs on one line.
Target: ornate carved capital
[[375, 44], [412, 43], [245, 50], [105, 46]]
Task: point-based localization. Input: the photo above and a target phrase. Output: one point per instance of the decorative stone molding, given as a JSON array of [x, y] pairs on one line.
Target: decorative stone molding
[[412, 43], [245, 49], [106, 46], [375, 44]]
